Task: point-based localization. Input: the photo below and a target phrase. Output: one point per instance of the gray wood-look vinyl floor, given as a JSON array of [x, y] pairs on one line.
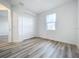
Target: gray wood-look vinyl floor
[[38, 48]]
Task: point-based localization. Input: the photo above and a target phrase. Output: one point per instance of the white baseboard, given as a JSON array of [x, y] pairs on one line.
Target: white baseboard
[[65, 41], [49, 39]]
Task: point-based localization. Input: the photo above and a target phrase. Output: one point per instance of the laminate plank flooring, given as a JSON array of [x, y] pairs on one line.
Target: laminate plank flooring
[[38, 48]]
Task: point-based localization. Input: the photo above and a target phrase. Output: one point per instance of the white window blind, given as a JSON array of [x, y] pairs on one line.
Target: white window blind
[[51, 21]]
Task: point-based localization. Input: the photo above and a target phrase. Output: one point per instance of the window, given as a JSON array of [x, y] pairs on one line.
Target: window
[[51, 21]]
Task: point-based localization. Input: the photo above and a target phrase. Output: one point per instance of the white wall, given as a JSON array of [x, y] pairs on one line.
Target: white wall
[[23, 26], [65, 25], [15, 27], [26, 26], [78, 26], [4, 28]]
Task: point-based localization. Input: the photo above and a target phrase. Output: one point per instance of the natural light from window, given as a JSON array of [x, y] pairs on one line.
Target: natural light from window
[[51, 21]]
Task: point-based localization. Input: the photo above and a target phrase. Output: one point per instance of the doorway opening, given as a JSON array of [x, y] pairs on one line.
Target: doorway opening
[[5, 29]]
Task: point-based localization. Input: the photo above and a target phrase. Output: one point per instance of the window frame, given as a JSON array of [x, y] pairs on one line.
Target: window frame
[[51, 22]]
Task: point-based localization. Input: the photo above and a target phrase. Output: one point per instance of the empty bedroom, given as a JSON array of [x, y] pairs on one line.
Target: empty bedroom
[[39, 29]]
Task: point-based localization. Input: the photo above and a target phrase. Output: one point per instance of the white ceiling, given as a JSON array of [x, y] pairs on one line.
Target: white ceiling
[[36, 6]]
